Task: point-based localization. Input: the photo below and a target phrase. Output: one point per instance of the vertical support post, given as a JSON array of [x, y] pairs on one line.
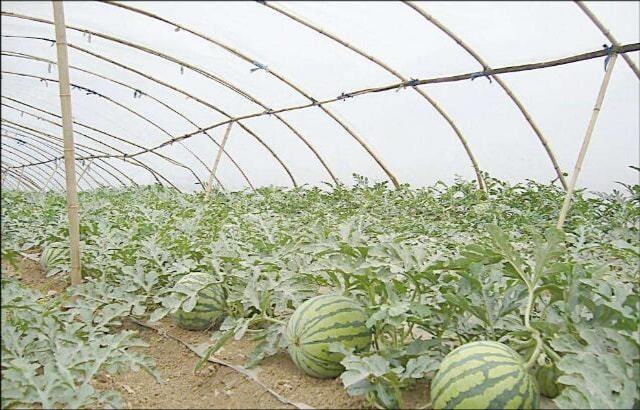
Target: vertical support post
[[585, 142], [217, 160], [53, 173], [69, 154], [20, 179], [84, 171]]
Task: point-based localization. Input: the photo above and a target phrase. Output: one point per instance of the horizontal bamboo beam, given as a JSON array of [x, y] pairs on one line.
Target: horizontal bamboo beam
[[436, 80]]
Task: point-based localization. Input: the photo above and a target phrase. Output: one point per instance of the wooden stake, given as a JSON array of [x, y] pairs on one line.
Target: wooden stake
[[67, 130], [217, 160], [585, 142]]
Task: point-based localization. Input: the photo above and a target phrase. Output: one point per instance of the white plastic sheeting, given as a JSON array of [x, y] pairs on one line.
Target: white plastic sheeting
[[401, 127]]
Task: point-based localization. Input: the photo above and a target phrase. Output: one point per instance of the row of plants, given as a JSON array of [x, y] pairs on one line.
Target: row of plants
[[427, 271]]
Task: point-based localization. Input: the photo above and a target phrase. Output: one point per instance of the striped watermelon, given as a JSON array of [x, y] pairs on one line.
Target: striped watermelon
[[320, 321], [210, 304], [54, 258], [483, 375]]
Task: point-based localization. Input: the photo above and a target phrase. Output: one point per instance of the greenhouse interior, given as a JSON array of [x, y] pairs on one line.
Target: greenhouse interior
[[320, 204]]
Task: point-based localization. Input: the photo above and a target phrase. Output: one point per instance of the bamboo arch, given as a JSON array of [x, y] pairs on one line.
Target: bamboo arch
[[501, 83], [202, 72], [143, 93], [616, 48], [156, 175], [42, 144], [56, 171], [607, 33], [183, 92], [25, 156], [16, 128], [271, 72], [135, 113], [396, 74], [40, 140]]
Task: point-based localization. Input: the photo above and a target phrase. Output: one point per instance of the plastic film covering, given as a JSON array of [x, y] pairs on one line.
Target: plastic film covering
[[404, 92]]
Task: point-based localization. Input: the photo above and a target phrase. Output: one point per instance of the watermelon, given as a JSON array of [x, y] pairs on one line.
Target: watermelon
[[483, 375], [320, 321], [54, 258], [210, 304], [547, 378]]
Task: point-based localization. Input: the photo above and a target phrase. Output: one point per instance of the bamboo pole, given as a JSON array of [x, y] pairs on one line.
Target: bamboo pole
[[69, 154], [435, 80], [214, 167], [84, 171], [57, 142], [145, 93], [48, 146], [126, 108], [585, 142], [501, 83], [55, 170], [607, 33], [21, 177]]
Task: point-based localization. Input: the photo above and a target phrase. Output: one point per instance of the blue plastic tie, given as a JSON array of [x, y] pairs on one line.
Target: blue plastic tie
[[609, 54], [481, 74], [411, 83], [258, 66]]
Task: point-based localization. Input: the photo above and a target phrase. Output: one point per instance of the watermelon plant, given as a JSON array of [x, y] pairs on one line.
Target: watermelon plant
[[55, 259], [50, 355], [432, 269]]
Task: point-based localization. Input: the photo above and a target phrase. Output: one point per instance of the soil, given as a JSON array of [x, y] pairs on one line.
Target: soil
[[214, 386]]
